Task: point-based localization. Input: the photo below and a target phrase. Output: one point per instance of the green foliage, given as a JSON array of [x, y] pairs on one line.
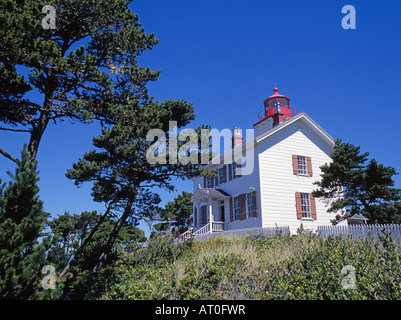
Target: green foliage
[[119, 168], [161, 250], [73, 229], [361, 188], [318, 273], [176, 213], [140, 264], [304, 266], [80, 83], [23, 244], [89, 286]]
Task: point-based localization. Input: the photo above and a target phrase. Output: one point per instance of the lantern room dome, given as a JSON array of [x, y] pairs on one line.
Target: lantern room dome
[[277, 107], [276, 98]]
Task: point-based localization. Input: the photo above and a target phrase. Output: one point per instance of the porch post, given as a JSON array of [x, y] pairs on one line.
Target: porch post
[[211, 218], [198, 221], [195, 217]]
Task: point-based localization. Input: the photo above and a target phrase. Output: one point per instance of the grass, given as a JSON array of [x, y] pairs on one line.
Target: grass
[[280, 267]]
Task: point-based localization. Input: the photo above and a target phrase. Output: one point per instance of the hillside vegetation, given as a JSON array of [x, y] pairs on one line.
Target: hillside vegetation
[[281, 267]]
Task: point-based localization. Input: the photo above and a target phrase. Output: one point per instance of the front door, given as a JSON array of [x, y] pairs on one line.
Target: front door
[[203, 216]]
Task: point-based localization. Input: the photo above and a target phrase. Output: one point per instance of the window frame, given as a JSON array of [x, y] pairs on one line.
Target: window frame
[[302, 162], [221, 176], [234, 168], [236, 212], [251, 213], [306, 205]]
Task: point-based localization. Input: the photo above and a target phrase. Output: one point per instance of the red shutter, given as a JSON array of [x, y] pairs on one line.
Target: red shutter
[[212, 182], [216, 180], [313, 206], [242, 206], [309, 164], [195, 217], [231, 210], [230, 172], [255, 201], [204, 182], [298, 203], [295, 163]]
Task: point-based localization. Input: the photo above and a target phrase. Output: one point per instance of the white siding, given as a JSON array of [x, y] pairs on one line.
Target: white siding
[[196, 182], [279, 184], [238, 186], [234, 188], [241, 185], [274, 181]]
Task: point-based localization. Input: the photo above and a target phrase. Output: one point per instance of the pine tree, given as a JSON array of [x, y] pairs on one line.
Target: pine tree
[[119, 169], [359, 187], [76, 67], [22, 243], [176, 213]]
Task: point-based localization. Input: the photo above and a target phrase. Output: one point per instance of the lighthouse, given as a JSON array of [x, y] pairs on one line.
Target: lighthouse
[[276, 110]]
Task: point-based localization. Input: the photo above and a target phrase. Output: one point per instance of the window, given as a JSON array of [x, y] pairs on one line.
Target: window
[[244, 206], [251, 205], [222, 211], [209, 183], [222, 176], [235, 170], [236, 208], [306, 205], [302, 165]]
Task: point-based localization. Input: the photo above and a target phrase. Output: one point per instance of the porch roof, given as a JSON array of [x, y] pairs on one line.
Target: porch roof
[[209, 193]]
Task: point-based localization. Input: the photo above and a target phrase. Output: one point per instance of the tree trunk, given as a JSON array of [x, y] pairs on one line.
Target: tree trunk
[[113, 236], [40, 127], [67, 267], [37, 133]]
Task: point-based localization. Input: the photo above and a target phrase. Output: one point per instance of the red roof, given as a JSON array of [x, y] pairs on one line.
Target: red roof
[[276, 95]]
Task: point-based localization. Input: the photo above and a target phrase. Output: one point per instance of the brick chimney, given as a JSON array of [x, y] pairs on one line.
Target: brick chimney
[[237, 138], [278, 117]]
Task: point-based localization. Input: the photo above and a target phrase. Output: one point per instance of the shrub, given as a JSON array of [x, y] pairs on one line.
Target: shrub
[[319, 274], [90, 286], [280, 267]]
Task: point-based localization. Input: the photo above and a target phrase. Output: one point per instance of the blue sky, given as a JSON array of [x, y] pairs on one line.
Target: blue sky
[[226, 56]]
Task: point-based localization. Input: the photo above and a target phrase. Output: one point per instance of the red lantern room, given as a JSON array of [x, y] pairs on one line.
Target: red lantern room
[[278, 107]]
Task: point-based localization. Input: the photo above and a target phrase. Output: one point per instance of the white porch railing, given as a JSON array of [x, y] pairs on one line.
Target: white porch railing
[[264, 232], [187, 235], [215, 226]]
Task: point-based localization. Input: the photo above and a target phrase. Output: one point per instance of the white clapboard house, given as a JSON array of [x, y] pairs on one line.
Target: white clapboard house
[[289, 148]]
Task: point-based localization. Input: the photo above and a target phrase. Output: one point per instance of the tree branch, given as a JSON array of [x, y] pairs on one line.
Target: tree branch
[[15, 130], [9, 156], [72, 258]]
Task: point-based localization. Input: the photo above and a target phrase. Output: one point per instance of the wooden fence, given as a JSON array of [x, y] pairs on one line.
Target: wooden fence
[[362, 231]]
